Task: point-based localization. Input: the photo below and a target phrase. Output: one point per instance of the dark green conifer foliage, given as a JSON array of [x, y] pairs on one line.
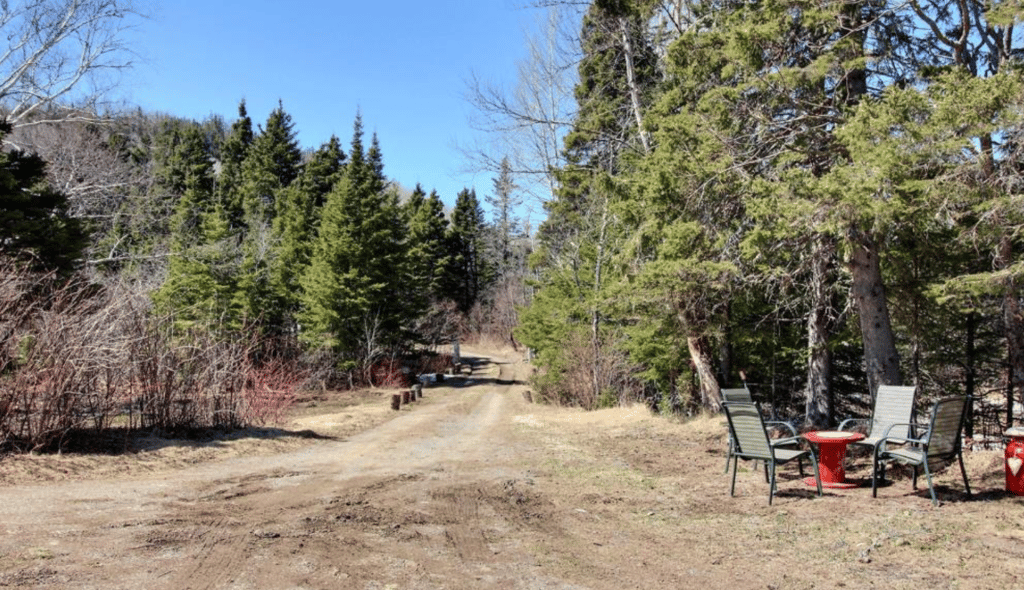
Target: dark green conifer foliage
[[504, 203], [295, 226], [273, 161], [181, 157], [198, 286], [351, 289], [34, 220], [468, 271], [232, 154], [584, 230], [427, 253]]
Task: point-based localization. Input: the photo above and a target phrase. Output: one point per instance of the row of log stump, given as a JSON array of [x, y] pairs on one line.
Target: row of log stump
[[406, 397], [410, 395]]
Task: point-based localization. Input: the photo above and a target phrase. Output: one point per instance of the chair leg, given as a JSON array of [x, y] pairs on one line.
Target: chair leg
[[915, 477], [931, 487], [817, 473], [771, 483], [881, 466], [963, 472], [874, 475], [728, 455], [735, 465]]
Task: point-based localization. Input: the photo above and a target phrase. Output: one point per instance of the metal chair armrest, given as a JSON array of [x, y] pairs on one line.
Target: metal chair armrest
[[782, 424], [883, 443], [787, 440]]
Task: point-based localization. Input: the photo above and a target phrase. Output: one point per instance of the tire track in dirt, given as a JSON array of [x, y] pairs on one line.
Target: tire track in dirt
[[219, 556], [428, 443], [195, 528], [460, 508]]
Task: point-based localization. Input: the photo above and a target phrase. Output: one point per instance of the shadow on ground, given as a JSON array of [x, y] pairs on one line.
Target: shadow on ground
[[119, 441]]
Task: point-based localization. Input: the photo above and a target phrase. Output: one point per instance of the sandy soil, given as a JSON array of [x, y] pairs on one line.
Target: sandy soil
[[473, 487]]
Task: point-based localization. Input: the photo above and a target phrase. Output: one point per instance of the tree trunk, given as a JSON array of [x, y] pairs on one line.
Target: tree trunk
[[971, 370], [725, 351], [819, 407], [881, 360], [700, 355], [1013, 322], [595, 321], [634, 89]]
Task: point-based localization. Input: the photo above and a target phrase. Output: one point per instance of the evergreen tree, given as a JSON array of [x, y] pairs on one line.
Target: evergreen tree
[[272, 162], [34, 219], [468, 271], [584, 232], [233, 153], [196, 289], [427, 256], [295, 226], [503, 205], [351, 289]]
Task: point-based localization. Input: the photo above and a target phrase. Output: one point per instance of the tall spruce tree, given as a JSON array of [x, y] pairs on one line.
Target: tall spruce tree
[[272, 162], [196, 290], [351, 288], [584, 230], [468, 271], [295, 226], [427, 253], [233, 153], [504, 203]]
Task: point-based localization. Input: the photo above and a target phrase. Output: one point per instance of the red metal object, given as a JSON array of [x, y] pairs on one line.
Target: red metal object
[[831, 456], [1015, 461]]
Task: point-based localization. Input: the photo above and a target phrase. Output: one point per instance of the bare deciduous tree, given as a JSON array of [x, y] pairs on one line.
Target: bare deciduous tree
[[81, 164], [62, 57], [527, 124]]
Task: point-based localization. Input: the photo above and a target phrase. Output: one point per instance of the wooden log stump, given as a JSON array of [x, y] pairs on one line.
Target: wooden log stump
[[396, 401], [405, 397], [418, 390]]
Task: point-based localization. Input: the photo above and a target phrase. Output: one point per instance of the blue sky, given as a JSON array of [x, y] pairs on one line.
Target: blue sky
[[402, 64]]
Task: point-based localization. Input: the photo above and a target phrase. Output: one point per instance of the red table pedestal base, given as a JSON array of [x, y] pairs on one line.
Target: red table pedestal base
[[836, 485], [831, 455]]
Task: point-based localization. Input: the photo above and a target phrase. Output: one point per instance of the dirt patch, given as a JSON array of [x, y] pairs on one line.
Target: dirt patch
[[472, 487]]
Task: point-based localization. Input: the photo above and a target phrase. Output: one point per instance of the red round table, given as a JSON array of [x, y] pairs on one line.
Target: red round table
[[831, 454]]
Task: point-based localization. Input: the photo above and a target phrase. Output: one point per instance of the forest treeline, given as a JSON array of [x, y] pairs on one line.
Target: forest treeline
[[234, 227], [205, 269], [813, 198]]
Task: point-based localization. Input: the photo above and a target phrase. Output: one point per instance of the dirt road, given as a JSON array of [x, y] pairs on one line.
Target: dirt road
[[472, 487]]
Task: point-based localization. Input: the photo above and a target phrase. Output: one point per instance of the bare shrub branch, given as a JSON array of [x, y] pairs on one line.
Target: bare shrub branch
[[76, 356]]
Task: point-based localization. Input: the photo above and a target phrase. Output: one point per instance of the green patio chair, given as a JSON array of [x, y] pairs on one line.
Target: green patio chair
[[750, 436], [742, 395], [894, 404], [940, 443]]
